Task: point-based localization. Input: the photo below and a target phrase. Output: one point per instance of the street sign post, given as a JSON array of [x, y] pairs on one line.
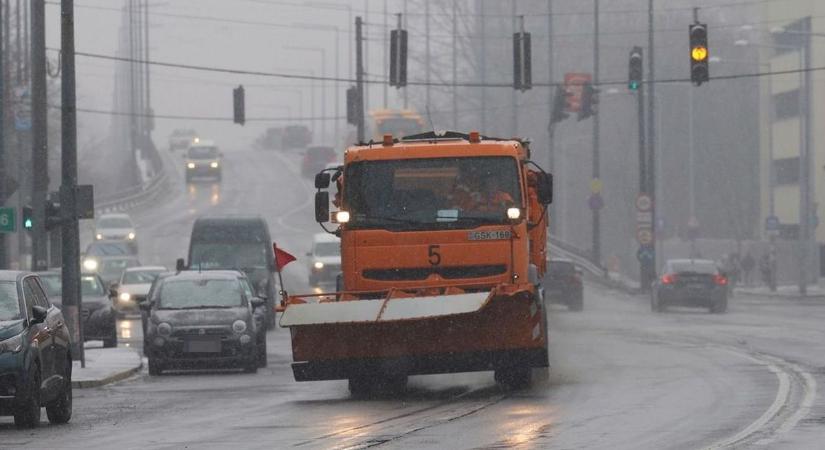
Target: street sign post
[[8, 220]]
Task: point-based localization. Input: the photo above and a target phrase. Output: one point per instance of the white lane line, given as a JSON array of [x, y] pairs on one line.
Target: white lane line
[[805, 404], [781, 399]]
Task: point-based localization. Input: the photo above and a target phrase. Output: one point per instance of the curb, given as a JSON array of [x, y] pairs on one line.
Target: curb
[[85, 384]]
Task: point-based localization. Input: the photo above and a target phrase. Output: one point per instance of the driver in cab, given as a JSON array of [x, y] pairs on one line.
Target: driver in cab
[[478, 194]]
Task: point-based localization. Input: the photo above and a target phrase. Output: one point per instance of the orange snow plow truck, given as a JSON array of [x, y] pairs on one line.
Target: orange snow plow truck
[[443, 244]]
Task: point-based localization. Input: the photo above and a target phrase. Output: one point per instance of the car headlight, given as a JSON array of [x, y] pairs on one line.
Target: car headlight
[[99, 237], [213, 164], [190, 165], [125, 296], [12, 345], [239, 326], [131, 236], [318, 265], [164, 329], [90, 265]]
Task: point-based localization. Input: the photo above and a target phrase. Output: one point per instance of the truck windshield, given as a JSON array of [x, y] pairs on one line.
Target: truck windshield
[[438, 193]]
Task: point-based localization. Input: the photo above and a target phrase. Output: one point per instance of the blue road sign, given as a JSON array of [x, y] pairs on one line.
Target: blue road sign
[[645, 254], [771, 223]]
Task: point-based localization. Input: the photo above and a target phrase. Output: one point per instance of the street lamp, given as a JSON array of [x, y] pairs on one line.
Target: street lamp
[[323, 54]]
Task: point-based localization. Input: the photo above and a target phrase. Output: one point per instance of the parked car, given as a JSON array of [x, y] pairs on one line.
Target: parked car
[[35, 353], [110, 268], [133, 286], [316, 159], [198, 318], [116, 227], [690, 282], [237, 243], [324, 259], [563, 284], [96, 310], [203, 160]]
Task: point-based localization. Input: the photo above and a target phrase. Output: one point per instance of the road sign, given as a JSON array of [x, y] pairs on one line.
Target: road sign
[[645, 254], [8, 220], [596, 186], [771, 223], [595, 202], [644, 236], [644, 219], [22, 108], [574, 86], [644, 203]]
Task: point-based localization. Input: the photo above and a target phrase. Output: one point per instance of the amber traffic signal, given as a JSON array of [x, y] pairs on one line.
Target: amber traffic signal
[[699, 67]]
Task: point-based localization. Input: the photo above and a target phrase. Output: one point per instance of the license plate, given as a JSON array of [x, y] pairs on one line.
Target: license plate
[[489, 235], [696, 286], [202, 346]]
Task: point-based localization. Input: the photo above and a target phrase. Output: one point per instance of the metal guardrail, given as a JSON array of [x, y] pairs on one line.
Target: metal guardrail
[[581, 258], [133, 198]]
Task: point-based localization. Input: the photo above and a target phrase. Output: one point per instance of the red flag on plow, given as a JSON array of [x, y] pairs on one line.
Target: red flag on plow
[[282, 258]]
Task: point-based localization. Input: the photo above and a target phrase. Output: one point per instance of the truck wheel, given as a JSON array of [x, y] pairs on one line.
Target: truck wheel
[[27, 411], [59, 410], [513, 378]]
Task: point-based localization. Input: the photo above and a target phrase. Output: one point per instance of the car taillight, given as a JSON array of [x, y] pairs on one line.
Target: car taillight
[[721, 280], [668, 278]]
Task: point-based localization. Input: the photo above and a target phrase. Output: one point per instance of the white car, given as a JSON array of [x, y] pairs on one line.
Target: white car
[[115, 227], [134, 285], [324, 259]]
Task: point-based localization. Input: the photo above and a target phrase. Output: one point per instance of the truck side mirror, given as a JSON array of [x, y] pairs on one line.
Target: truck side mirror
[[321, 205], [180, 265], [545, 188], [322, 180]]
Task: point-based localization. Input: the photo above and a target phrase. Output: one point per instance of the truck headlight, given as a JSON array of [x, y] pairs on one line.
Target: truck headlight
[[12, 345], [190, 165], [318, 265], [342, 216], [164, 329], [513, 213], [239, 326], [99, 237], [90, 265]]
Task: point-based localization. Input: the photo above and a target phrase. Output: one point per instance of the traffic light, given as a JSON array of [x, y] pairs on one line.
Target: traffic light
[[53, 217], [559, 112], [27, 218], [590, 101], [699, 57], [522, 65], [238, 105], [398, 58], [352, 105], [634, 80]]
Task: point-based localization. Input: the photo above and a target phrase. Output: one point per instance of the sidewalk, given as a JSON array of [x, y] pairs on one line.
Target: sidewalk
[[815, 292], [104, 366]]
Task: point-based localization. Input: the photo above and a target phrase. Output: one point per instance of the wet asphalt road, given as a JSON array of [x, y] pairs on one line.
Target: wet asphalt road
[[622, 377]]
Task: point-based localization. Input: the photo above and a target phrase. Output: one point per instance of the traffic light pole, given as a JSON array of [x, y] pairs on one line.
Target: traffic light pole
[[597, 241], [359, 78], [651, 132], [40, 153], [71, 236]]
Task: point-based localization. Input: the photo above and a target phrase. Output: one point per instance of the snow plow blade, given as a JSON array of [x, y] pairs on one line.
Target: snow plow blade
[[416, 334]]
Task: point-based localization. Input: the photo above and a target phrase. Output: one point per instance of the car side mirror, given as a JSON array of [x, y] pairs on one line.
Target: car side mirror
[[322, 180], [39, 314], [544, 188], [257, 302], [322, 206], [180, 265]]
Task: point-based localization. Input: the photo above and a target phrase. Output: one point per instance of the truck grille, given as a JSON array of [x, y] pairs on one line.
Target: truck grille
[[449, 273]]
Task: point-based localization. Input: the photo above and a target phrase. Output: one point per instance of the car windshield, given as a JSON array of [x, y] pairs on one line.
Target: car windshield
[[202, 152], [89, 285], [431, 193], [9, 302], [108, 249], [140, 276], [200, 293], [211, 255], [114, 222], [328, 249], [115, 266], [693, 267]]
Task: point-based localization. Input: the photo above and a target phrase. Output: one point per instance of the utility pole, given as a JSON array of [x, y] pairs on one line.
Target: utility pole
[[40, 152], [806, 213], [386, 47], [68, 188], [3, 172], [406, 89], [597, 237], [359, 77], [455, 65], [150, 125], [651, 132], [23, 155], [551, 155], [483, 64]]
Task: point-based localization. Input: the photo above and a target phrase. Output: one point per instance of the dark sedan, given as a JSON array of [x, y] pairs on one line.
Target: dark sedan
[[563, 284], [690, 282], [35, 358], [97, 311], [202, 318]]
